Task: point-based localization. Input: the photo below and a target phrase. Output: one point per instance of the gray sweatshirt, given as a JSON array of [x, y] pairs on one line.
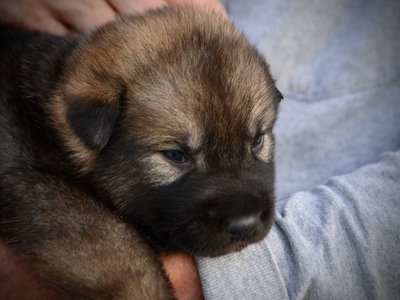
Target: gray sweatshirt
[[337, 229]]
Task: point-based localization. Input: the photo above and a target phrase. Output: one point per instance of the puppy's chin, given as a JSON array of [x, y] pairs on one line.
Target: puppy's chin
[[220, 244]]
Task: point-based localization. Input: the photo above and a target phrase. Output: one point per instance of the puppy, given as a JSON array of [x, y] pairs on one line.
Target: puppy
[[153, 130]]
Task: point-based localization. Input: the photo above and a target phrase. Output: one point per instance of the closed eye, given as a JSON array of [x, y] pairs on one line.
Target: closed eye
[[258, 143]]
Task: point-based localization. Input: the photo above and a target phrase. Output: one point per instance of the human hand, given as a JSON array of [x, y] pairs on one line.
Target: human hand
[[18, 281], [182, 272], [66, 16]]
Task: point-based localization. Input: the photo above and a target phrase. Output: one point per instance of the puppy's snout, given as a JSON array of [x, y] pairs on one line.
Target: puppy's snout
[[242, 228], [235, 213]]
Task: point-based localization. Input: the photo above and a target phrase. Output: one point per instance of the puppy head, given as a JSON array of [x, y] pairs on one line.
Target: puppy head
[[172, 114]]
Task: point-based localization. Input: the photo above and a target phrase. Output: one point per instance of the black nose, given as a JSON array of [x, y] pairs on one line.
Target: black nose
[[242, 228]]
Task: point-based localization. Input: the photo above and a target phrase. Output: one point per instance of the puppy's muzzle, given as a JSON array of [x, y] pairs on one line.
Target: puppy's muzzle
[[212, 214], [241, 215]]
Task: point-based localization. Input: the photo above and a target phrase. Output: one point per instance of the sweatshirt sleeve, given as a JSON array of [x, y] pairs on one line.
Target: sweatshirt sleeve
[[340, 240]]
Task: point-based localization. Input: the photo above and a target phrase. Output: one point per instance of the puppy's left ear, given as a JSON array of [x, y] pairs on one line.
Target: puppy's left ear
[[279, 95], [93, 120]]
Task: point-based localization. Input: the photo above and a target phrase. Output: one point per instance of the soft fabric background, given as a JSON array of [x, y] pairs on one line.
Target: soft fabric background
[[337, 230]]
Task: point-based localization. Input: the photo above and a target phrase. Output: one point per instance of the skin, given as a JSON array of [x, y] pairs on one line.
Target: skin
[[18, 281], [63, 17]]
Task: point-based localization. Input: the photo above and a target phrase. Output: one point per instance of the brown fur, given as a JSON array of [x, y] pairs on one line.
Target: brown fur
[[85, 127]]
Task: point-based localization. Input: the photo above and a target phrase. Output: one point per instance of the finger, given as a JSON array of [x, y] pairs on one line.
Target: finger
[[182, 272], [48, 24], [38, 18], [44, 22], [206, 5], [82, 15], [137, 6]]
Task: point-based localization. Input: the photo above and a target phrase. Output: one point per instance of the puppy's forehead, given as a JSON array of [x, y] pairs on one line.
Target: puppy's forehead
[[203, 78]]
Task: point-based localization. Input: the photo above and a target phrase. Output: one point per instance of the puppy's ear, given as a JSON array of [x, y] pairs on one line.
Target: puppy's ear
[[279, 95], [84, 114], [92, 120]]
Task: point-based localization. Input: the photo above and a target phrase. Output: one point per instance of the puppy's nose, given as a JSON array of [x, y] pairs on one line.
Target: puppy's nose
[[242, 228]]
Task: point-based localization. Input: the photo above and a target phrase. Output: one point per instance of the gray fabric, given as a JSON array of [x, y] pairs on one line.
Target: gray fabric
[[337, 231]]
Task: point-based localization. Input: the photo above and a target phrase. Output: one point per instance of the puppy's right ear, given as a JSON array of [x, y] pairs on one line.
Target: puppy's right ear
[[86, 103], [84, 114]]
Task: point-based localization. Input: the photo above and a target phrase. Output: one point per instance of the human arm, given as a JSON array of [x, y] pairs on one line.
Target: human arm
[[63, 17], [339, 240]]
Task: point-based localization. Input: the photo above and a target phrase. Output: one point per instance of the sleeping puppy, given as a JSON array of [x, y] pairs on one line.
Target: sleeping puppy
[[152, 132]]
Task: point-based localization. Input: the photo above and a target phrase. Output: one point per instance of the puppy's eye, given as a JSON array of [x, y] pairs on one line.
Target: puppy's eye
[[175, 155], [258, 142]]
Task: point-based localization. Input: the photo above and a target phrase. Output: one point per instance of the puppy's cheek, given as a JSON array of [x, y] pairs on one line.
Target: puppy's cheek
[[266, 153], [158, 172]]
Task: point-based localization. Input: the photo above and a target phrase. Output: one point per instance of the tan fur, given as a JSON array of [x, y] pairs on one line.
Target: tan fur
[[128, 58]]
